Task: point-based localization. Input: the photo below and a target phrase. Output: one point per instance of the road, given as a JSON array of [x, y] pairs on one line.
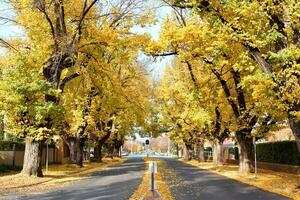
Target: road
[[115, 183], [186, 183], [190, 183]]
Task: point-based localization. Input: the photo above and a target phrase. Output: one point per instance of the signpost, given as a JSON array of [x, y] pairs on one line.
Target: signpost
[[255, 161], [153, 171], [147, 142]]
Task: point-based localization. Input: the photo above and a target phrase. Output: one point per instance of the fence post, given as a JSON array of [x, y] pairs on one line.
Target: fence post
[[14, 154], [255, 160], [47, 157], [153, 170]]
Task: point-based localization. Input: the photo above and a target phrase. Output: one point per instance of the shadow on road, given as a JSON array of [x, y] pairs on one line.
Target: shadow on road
[[115, 183], [188, 182]]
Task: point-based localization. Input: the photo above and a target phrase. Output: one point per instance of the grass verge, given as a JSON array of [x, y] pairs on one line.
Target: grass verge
[[285, 184], [57, 176], [144, 187]]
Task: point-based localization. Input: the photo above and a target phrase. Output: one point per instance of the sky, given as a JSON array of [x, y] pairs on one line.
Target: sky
[[156, 68], [8, 30]]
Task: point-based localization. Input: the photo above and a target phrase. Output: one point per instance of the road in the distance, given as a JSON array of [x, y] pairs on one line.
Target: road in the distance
[[190, 183], [115, 183]]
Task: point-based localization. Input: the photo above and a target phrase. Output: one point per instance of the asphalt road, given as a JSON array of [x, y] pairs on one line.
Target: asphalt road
[[115, 183], [190, 183]]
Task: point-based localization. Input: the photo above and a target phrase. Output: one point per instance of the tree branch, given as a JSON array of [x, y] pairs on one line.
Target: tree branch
[[79, 26], [67, 79], [7, 45], [227, 93], [165, 54], [239, 90]]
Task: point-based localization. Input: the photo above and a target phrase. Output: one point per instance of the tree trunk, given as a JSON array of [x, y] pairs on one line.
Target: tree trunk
[[101, 142], [71, 142], [201, 153], [33, 158], [187, 153], [295, 126], [112, 151], [195, 152], [217, 153], [245, 152], [100, 146], [79, 149]]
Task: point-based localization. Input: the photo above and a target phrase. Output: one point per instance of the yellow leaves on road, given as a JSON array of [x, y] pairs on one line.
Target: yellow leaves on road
[[144, 188]]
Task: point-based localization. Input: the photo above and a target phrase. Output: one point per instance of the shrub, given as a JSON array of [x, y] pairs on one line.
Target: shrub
[[20, 146], [283, 152], [8, 146], [8, 168], [234, 151]]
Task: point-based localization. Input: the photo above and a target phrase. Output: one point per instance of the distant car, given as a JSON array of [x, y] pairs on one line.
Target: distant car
[[124, 153], [91, 155]]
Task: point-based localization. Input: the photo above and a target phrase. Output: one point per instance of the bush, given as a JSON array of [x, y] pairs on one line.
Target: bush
[[20, 146], [8, 146], [283, 152], [8, 168]]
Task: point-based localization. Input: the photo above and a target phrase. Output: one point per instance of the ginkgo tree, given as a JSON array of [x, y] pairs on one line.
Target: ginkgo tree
[[22, 95], [180, 110], [207, 46], [63, 38], [268, 33]]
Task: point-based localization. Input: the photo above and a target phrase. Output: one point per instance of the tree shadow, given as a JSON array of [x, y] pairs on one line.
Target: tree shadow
[[202, 184], [114, 183]]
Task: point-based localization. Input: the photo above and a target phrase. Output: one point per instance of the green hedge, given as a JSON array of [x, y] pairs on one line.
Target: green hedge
[[283, 152], [9, 168], [8, 146], [234, 151], [20, 146]]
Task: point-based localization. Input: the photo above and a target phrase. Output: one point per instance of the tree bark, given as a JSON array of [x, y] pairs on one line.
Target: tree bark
[[79, 148], [295, 126], [245, 144], [195, 152], [33, 158], [201, 152], [101, 142], [100, 146], [187, 153], [217, 153], [71, 142]]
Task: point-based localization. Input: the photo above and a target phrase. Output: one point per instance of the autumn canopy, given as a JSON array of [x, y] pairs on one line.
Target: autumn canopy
[[77, 74]]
